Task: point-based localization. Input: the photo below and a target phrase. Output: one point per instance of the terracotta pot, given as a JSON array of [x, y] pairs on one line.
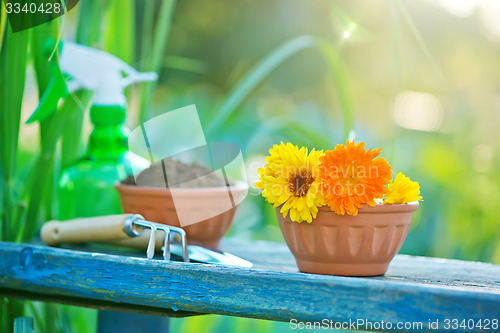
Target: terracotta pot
[[157, 205], [361, 245]]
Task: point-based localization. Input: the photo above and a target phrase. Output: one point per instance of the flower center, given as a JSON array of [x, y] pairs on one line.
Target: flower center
[[300, 183]]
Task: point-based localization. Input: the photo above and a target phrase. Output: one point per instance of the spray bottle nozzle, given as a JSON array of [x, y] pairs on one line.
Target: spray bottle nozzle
[[138, 77], [86, 68]]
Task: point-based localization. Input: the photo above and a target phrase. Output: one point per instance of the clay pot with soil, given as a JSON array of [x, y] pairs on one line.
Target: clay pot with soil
[[204, 197]]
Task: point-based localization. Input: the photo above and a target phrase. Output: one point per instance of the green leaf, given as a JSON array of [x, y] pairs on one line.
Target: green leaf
[[13, 61], [147, 31], [3, 22], [39, 36], [120, 29], [88, 31], [339, 75], [38, 187], [161, 33]]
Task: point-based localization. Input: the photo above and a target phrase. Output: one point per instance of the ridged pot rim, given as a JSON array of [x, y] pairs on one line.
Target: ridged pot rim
[[238, 187], [380, 208], [327, 217]]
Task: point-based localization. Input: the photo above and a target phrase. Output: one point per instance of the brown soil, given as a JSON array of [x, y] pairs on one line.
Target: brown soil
[[177, 175]]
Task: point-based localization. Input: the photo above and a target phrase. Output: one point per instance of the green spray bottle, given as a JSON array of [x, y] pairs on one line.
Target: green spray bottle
[[86, 188]]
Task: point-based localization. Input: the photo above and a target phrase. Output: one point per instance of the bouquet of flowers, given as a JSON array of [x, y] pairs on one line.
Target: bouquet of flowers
[[358, 215], [345, 178]]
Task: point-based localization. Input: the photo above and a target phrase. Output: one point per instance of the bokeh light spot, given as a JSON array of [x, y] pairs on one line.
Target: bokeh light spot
[[490, 14], [460, 8], [418, 111]]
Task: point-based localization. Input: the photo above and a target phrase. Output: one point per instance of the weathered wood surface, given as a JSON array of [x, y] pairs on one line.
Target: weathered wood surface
[[415, 289]]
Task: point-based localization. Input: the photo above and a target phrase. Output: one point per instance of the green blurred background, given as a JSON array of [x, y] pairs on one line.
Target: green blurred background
[[422, 77]]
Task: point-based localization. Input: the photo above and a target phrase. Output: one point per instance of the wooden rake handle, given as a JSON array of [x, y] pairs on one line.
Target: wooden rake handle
[[81, 230]]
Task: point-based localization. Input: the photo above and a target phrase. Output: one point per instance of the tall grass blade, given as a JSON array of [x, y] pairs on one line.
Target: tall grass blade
[[276, 57], [119, 39], [340, 77], [88, 30], [41, 64], [51, 317], [398, 86], [254, 76], [161, 33], [43, 167], [43, 76], [3, 22], [13, 61], [35, 312], [147, 31], [11, 309]]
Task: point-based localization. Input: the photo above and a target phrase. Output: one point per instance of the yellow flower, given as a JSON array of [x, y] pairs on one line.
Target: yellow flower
[[402, 191], [289, 180]]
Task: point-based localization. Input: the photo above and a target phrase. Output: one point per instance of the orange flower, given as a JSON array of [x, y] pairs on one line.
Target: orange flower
[[352, 177]]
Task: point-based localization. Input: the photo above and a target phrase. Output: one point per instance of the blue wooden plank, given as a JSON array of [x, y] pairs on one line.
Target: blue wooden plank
[[273, 289]]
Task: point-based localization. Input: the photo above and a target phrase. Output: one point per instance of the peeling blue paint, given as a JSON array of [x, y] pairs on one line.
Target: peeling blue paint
[[26, 257], [414, 289]]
